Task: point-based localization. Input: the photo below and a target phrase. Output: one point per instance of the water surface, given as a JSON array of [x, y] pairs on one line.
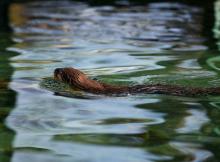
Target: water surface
[[156, 43]]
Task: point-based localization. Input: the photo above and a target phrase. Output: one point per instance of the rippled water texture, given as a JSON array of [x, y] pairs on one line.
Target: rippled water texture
[[159, 42]]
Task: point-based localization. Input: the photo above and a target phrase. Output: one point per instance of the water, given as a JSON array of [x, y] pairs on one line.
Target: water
[[156, 43]]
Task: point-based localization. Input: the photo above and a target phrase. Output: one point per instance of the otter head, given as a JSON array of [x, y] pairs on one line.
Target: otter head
[[77, 79]]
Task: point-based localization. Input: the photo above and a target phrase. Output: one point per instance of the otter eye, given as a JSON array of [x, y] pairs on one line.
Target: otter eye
[[58, 70]]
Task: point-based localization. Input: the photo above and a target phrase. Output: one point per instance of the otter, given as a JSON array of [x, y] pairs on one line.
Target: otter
[[78, 80]]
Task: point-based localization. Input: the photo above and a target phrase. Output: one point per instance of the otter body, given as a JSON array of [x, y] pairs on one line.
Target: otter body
[[77, 79]]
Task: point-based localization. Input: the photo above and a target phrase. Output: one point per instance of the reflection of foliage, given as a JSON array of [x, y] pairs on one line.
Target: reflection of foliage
[[198, 74], [154, 138], [153, 141], [211, 131], [217, 21], [214, 62], [7, 98]]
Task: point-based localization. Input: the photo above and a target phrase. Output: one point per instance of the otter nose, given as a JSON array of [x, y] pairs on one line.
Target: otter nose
[[57, 70]]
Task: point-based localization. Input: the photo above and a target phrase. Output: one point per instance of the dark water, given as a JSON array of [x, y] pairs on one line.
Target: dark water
[[156, 43]]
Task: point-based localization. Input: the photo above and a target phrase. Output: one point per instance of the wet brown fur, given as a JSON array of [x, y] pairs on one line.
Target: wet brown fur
[[79, 80]]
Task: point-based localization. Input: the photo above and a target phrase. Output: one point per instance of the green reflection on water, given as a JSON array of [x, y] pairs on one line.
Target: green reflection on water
[[7, 98]]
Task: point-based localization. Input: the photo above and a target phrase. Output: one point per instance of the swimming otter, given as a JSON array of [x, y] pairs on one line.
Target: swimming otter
[[77, 79]]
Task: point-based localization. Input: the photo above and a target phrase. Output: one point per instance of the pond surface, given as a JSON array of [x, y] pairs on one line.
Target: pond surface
[[156, 43]]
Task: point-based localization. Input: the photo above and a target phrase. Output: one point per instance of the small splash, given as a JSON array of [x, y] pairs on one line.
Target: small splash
[[64, 90], [54, 85]]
